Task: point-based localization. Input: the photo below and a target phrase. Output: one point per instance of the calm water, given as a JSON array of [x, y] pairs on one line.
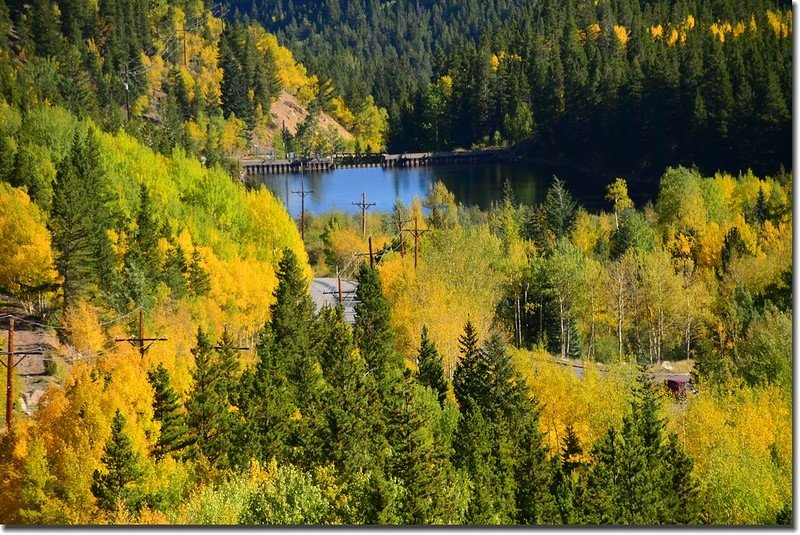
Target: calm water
[[479, 185]]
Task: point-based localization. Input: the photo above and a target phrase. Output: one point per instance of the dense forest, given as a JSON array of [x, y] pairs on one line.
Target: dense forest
[[450, 396], [626, 85]]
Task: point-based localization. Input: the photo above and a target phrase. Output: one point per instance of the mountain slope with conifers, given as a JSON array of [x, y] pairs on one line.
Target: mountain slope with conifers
[[626, 86]]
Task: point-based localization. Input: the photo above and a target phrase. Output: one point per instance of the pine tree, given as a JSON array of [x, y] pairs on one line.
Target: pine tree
[[199, 280], [533, 472], [471, 369], [373, 333], [230, 447], [79, 221], [175, 271], [430, 372], [167, 410], [204, 405], [559, 209], [121, 464]]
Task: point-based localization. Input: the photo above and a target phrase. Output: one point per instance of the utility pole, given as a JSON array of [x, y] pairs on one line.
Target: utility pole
[[339, 292], [370, 254], [303, 192], [127, 97], [10, 364], [140, 340], [400, 232], [364, 205], [417, 233]]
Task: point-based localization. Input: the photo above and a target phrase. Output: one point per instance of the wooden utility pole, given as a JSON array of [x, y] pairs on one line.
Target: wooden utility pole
[[364, 206], [11, 354], [127, 92], [371, 257], [417, 233], [303, 192], [140, 340], [400, 232], [339, 281]]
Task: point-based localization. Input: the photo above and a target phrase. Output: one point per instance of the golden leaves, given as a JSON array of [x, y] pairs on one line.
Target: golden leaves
[[26, 258]]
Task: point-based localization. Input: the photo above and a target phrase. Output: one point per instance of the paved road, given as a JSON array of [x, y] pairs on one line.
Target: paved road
[[324, 291]]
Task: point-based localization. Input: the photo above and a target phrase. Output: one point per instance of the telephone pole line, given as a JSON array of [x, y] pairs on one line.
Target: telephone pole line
[[127, 97], [417, 233], [10, 365], [364, 206], [303, 193], [400, 223], [370, 254], [140, 340]]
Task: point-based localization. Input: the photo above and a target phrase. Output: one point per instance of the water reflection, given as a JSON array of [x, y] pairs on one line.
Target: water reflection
[[472, 185]]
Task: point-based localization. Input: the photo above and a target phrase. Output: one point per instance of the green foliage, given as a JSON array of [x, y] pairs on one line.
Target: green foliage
[[429, 363], [167, 410], [79, 220], [373, 335], [121, 469], [287, 498]]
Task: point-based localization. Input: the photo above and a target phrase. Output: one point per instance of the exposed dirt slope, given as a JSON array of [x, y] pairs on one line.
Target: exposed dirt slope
[[287, 110]]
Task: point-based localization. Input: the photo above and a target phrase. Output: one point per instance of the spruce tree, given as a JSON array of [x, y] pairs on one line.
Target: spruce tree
[[204, 405], [199, 280], [559, 209], [79, 219], [175, 271], [373, 333], [121, 463], [429, 367], [168, 411]]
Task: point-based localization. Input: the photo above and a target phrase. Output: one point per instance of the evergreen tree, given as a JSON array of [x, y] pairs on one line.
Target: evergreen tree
[[429, 367], [559, 209], [199, 280], [175, 271], [121, 464], [167, 410], [373, 333], [79, 220], [204, 405]]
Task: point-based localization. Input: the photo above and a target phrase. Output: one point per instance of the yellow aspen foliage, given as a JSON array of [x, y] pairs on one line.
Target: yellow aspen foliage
[[738, 29], [592, 405], [81, 324], [690, 22], [752, 25], [495, 61], [657, 32], [342, 113], [26, 258], [140, 105], [586, 232], [446, 83], [622, 34], [672, 38], [593, 30], [709, 246], [292, 75], [740, 439], [780, 23]]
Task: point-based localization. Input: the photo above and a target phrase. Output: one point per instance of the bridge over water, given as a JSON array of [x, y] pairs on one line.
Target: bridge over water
[[269, 165]]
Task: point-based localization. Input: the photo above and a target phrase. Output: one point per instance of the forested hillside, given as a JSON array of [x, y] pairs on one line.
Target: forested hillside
[[171, 74], [628, 85], [504, 366]]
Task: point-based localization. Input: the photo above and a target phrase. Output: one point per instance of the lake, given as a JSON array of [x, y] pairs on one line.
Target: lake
[[473, 185]]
